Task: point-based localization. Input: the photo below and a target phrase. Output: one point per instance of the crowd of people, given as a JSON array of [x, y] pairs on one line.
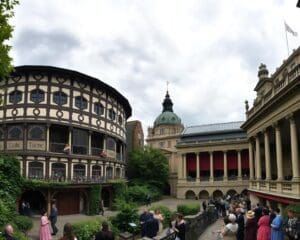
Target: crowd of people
[[243, 222], [152, 225]]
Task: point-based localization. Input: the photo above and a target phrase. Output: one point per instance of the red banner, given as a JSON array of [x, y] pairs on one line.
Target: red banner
[[232, 160], [204, 161], [191, 162], [218, 160], [245, 159]]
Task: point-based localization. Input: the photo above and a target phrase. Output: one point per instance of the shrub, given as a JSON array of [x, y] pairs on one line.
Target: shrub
[[94, 200], [128, 213], [166, 212], [188, 209], [86, 230], [23, 223], [139, 193]]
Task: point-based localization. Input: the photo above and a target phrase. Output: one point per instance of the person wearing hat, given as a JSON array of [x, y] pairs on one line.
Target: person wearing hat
[[276, 225], [230, 230], [264, 228], [251, 226]]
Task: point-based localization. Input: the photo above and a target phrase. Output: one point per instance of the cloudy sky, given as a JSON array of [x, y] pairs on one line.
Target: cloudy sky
[[209, 50]]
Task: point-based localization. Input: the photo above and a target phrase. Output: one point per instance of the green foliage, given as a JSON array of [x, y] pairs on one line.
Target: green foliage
[[166, 213], [139, 193], [12, 183], [35, 184], [294, 207], [188, 209], [128, 213], [6, 12], [86, 230], [94, 200], [23, 223], [149, 166]]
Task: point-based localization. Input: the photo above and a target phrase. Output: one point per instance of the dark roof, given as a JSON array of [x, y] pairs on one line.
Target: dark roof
[[212, 128], [78, 76], [213, 132]]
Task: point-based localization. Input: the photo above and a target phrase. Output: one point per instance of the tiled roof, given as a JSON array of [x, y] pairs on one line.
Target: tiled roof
[[213, 128]]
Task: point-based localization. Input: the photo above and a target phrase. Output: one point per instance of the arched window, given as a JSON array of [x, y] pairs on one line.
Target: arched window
[[37, 96], [80, 102], [36, 133], [58, 171], [98, 108], [112, 114], [15, 97], [15, 133], [60, 98], [120, 119]]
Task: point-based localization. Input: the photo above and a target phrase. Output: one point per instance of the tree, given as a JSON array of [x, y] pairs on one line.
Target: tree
[[6, 12], [148, 165]]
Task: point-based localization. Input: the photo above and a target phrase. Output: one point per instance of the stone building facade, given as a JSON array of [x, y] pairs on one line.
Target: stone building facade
[[273, 132], [134, 135], [164, 135]]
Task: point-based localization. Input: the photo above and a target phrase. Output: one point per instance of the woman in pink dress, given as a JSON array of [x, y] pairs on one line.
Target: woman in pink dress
[[264, 228], [44, 228]]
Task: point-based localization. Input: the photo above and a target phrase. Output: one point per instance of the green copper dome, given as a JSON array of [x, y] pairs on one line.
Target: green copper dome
[[167, 117]]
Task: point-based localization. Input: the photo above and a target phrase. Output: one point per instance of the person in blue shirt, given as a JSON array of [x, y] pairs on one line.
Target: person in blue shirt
[[276, 225]]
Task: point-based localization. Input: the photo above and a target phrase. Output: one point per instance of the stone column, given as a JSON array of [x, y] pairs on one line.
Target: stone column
[[225, 166], [257, 158], [294, 148], [251, 166], [184, 166], [198, 167], [239, 165], [211, 160], [278, 152], [70, 139], [267, 155]]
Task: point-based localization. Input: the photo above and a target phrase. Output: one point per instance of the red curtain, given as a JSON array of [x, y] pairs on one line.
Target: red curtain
[[232, 160], [245, 159], [218, 161], [191, 162], [204, 161]]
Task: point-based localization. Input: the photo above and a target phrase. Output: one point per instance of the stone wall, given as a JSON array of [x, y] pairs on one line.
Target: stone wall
[[197, 224]]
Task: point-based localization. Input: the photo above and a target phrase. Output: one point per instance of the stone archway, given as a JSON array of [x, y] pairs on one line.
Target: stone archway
[[217, 194], [231, 192], [35, 202], [245, 192], [204, 194], [190, 195]]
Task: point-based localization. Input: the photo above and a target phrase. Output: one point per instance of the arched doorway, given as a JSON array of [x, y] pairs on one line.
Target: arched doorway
[[231, 193], [245, 193], [106, 197], [34, 201], [217, 194], [203, 194], [190, 195]]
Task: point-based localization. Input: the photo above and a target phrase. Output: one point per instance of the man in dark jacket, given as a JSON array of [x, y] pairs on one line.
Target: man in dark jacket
[[257, 212], [241, 223], [53, 217], [151, 226], [143, 219]]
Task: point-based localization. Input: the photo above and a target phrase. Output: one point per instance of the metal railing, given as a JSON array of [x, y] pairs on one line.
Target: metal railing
[[57, 147]]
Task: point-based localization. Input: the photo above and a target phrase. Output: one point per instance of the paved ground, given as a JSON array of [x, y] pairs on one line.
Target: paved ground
[[209, 233], [169, 202]]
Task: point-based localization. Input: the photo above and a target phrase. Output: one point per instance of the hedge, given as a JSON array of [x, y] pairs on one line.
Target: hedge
[[23, 223], [188, 209], [86, 230]]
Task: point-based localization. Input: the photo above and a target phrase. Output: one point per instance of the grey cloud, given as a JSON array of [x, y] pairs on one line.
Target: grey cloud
[[36, 47]]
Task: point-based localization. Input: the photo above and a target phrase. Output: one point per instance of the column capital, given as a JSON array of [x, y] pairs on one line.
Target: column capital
[[291, 117], [225, 151], [238, 150], [276, 125]]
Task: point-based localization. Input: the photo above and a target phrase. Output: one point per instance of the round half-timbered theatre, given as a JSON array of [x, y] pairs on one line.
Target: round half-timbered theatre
[[64, 126]]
